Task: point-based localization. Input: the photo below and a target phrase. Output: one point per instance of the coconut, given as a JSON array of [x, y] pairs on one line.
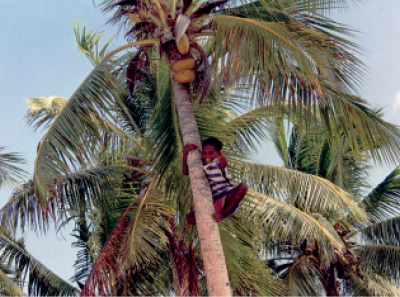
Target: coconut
[[185, 76], [183, 45], [185, 64]]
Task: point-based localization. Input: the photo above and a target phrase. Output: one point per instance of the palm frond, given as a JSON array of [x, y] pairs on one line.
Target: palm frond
[[380, 259], [23, 208], [26, 208], [79, 122], [41, 111], [165, 133], [132, 250], [267, 38], [386, 232], [365, 129], [88, 43], [10, 173], [8, 287], [321, 6], [279, 140], [307, 192], [284, 221], [331, 159], [247, 271], [105, 266], [370, 285], [311, 87], [304, 278], [384, 200], [183, 261], [40, 280], [249, 127]]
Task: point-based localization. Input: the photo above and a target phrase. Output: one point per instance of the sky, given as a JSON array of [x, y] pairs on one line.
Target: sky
[[39, 57]]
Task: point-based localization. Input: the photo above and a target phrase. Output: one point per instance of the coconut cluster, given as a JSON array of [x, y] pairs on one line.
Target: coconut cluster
[[184, 69]]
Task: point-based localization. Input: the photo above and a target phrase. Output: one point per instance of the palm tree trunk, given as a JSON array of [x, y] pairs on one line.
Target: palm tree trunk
[[209, 237]]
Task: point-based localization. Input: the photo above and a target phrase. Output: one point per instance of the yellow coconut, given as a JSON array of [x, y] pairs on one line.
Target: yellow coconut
[[134, 18], [183, 45], [144, 14], [185, 64], [185, 76]]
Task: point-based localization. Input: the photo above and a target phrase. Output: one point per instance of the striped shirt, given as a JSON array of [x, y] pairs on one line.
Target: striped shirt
[[219, 179]]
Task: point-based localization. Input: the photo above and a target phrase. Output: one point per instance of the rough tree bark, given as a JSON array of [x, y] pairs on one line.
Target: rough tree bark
[[209, 236]]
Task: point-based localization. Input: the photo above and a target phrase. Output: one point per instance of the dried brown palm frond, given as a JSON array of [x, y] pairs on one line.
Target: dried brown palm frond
[[132, 250], [105, 266], [185, 268]]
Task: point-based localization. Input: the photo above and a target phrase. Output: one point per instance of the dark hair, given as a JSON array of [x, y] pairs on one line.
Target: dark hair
[[214, 142]]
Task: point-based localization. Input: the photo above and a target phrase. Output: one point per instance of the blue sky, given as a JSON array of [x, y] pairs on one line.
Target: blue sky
[[39, 57]]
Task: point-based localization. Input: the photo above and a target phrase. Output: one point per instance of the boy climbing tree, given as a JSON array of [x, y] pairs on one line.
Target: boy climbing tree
[[225, 195]]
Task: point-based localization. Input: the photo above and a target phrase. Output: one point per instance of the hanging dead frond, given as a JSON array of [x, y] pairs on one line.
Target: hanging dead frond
[[105, 267], [137, 69], [183, 262]]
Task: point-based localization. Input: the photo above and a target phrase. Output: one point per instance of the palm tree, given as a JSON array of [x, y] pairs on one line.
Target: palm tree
[[283, 50], [367, 264], [132, 229], [291, 74]]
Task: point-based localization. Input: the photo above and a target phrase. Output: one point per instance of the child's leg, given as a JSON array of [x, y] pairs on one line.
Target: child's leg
[[218, 206], [233, 199]]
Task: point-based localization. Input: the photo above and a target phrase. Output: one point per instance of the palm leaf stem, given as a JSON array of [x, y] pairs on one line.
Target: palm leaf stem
[[132, 44]]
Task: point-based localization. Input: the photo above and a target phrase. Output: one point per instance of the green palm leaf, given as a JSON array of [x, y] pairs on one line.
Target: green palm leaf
[[246, 269], [82, 120], [8, 171], [371, 285], [26, 208], [303, 278], [8, 287], [383, 201], [88, 43], [285, 221], [40, 279], [384, 232], [307, 192], [380, 259], [372, 133]]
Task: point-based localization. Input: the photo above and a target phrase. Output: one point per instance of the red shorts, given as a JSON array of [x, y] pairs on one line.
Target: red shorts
[[219, 204]]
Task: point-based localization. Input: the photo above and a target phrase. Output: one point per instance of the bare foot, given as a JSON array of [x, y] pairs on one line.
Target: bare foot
[[217, 217]]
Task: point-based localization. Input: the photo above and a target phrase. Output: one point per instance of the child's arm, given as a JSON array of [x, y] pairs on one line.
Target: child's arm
[[189, 147], [223, 162]]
